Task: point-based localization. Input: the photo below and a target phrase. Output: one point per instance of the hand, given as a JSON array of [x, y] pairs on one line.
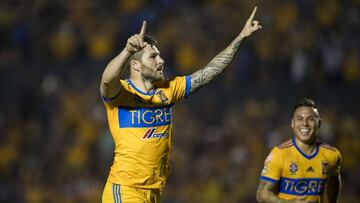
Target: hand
[[251, 25], [136, 42]]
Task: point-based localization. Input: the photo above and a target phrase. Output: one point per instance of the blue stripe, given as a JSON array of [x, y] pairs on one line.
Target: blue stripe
[[268, 179], [302, 186], [302, 153], [187, 86], [140, 117], [119, 194], [114, 193], [135, 88], [110, 99]]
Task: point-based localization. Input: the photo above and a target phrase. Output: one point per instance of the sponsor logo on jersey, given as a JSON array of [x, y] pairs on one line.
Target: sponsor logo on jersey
[[302, 186], [138, 117], [150, 133], [310, 169]]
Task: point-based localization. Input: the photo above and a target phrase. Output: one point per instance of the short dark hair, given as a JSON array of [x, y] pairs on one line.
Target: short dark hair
[[148, 39], [305, 102]]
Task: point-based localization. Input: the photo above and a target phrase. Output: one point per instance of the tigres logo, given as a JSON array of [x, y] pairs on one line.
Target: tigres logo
[[160, 94]]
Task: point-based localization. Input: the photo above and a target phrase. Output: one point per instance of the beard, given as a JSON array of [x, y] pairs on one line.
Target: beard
[[151, 74]]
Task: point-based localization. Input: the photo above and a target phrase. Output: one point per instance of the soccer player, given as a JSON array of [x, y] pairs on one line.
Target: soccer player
[[139, 111], [301, 169]]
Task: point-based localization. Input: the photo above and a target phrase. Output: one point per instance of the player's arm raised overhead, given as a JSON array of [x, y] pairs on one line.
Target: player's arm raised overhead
[[267, 193], [221, 61], [110, 86]]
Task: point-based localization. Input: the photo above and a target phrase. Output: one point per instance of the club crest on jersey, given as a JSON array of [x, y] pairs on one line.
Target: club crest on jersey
[[160, 94], [150, 133], [293, 168], [325, 166]]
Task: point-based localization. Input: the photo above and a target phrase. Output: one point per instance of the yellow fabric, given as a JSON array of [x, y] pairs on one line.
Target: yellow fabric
[[299, 175], [114, 193], [141, 126]]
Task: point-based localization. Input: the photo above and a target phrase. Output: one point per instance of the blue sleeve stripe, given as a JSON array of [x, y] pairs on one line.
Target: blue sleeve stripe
[[268, 179], [110, 99], [187, 86]]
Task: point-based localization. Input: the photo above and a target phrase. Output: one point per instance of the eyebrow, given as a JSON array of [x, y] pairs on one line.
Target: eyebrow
[[305, 116], [153, 54]]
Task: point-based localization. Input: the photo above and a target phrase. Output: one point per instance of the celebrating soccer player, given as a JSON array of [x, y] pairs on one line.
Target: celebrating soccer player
[[139, 111], [301, 169]]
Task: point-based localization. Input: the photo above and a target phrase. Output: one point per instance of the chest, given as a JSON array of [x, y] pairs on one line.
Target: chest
[[295, 166], [158, 98]]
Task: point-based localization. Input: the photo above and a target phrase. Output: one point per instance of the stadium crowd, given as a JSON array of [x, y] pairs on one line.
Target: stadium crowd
[[55, 144]]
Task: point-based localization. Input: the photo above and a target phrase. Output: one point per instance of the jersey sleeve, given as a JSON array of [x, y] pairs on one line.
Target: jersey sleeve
[[180, 87], [272, 166], [113, 101], [335, 169]]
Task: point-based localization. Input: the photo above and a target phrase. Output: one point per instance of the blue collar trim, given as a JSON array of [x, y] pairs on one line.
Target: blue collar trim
[[302, 153], [144, 93]]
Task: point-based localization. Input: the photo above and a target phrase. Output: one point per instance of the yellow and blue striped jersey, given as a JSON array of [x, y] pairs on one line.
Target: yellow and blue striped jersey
[[298, 174], [141, 126]]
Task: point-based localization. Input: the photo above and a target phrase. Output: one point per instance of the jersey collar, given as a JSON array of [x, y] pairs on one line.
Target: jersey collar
[[136, 89], [302, 153]]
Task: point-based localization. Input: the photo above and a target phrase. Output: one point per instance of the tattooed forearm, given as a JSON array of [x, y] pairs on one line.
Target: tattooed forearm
[[216, 66], [267, 193]]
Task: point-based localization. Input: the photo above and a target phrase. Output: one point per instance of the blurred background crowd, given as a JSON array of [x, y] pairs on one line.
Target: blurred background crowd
[[55, 144]]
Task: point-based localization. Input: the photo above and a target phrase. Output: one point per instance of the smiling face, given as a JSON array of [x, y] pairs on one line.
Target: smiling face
[[305, 123], [152, 64]]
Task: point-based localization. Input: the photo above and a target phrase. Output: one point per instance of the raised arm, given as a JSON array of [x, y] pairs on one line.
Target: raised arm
[[109, 86], [221, 61], [267, 193]]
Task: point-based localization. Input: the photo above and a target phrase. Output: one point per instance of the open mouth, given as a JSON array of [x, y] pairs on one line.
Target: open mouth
[[160, 68], [304, 131]]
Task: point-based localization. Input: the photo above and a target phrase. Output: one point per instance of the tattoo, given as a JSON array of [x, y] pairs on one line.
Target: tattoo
[[215, 67], [267, 192]]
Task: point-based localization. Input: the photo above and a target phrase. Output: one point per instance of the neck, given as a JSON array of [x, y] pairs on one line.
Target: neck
[[306, 148], [143, 84]]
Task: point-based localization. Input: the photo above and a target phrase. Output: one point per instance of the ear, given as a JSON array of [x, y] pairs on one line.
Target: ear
[[292, 123], [319, 123], [135, 65]]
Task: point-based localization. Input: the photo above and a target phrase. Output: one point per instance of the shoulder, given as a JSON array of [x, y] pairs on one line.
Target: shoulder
[[329, 148], [285, 145], [332, 151], [178, 79], [173, 83]]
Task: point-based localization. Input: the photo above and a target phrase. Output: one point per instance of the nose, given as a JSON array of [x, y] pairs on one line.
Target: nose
[[160, 60], [306, 122]]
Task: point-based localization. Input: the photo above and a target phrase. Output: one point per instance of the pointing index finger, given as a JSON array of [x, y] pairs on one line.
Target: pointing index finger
[[143, 28], [253, 14]]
